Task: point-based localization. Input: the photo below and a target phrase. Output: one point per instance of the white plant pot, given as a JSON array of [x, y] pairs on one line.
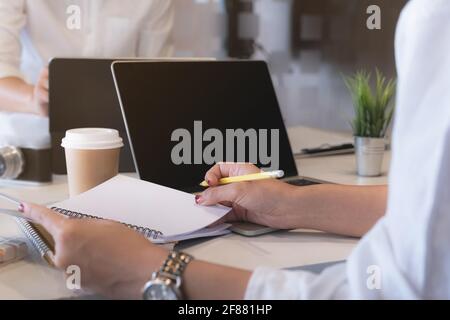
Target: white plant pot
[[369, 156]]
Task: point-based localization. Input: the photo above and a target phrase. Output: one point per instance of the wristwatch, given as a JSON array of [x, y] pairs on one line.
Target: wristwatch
[[166, 283]]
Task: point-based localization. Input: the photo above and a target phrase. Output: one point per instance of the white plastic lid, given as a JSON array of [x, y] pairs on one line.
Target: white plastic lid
[[92, 139]]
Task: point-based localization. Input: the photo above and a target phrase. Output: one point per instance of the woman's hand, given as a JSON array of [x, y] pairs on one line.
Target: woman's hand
[[114, 260], [40, 96], [347, 210], [266, 202]]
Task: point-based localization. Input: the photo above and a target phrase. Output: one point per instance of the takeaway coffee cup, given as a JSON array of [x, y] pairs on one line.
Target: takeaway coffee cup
[[92, 157]]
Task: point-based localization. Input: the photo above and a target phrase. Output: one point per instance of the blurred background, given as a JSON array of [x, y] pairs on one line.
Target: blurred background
[[309, 45]]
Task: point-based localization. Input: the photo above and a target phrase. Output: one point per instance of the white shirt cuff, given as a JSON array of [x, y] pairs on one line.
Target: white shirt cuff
[[272, 284]]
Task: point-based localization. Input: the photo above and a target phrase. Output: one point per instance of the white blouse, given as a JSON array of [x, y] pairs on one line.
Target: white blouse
[[34, 31], [406, 255]]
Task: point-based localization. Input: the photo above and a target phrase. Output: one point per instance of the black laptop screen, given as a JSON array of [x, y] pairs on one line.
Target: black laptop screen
[[182, 117]]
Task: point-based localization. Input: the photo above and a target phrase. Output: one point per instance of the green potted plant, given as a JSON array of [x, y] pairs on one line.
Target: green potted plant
[[373, 115]]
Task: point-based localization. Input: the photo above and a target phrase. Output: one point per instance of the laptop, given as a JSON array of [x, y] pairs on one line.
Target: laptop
[[82, 94], [163, 101], [178, 114]]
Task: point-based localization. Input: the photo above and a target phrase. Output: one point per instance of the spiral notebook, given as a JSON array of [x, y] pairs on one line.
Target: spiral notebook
[[159, 213]]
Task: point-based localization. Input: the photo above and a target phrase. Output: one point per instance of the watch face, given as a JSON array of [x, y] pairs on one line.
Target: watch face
[[160, 291]]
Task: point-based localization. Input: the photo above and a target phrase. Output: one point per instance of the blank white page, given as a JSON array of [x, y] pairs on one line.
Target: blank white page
[[145, 204]]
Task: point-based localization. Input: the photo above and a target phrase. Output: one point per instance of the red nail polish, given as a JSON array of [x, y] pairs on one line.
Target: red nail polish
[[196, 198], [21, 208]]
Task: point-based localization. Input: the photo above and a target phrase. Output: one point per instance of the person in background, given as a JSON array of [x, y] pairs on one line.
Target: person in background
[[408, 249], [32, 32]]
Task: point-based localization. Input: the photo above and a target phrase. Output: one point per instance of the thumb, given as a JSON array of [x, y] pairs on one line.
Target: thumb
[[229, 193], [49, 219], [43, 79]]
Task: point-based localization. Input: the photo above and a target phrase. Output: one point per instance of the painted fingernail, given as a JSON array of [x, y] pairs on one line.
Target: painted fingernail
[[21, 208], [198, 199], [208, 182]]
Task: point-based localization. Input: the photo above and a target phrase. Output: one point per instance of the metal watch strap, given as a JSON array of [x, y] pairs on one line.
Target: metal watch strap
[[175, 264], [169, 275]]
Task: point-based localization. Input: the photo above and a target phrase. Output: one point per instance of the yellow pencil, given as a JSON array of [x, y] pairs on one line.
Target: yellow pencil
[[249, 177]]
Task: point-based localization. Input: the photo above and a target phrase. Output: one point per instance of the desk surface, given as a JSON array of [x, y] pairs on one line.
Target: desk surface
[[32, 279]]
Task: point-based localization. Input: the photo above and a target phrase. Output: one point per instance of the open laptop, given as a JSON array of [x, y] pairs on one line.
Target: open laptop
[[162, 100], [172, 111], [82, 94]]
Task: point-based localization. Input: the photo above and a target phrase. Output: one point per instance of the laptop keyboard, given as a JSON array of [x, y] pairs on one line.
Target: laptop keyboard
[[302, 182]]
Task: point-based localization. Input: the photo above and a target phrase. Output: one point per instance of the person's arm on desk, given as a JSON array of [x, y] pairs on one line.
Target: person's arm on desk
[[116, 261], [15, 94], [346, 210], [102, 249]]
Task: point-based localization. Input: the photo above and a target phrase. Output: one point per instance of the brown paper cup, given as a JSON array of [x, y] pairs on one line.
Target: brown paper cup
[[92, 157]]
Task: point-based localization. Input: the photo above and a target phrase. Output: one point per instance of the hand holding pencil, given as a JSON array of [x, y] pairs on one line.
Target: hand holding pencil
[[266, 202]]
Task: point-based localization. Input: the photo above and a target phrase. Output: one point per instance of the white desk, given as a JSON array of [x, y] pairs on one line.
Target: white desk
[[32, 279], [338, 169]]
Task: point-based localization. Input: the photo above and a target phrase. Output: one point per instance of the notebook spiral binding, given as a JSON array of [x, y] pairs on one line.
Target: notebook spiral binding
[[146, 232], [33, 236]]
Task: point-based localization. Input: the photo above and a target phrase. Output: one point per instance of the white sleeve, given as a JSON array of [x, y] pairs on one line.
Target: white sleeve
[[270, 284], [371, 272], [405, 255], [156, 39], [12, 20]]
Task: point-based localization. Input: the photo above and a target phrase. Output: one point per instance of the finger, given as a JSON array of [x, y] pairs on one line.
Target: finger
[[43, 216], [43, 83], [213, 175], [44, 73], [229, 193], [229, 169], [43, 79], [45, 97], [42, 95]]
